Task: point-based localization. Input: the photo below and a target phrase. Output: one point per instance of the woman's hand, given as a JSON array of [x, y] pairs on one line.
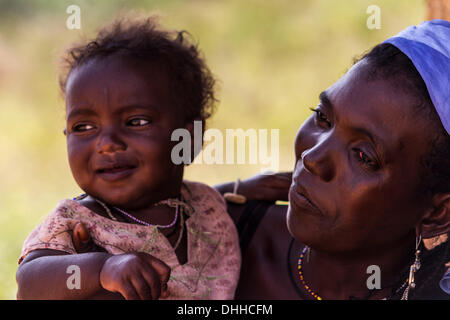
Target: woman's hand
[[269, 187], [135, 276]]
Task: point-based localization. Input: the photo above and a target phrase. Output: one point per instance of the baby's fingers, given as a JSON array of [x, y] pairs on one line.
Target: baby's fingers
[[153, 283], [162, 272], [143, 287], [128, 291], [162, 269]]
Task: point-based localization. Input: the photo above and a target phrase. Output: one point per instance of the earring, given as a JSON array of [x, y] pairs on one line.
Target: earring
[[308, 251], [413, 269]]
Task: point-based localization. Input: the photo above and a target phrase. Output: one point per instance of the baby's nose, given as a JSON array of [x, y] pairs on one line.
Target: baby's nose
[[110, 142]]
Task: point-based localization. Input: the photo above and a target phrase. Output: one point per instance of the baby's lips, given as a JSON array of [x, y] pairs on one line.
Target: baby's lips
[[114, 169], [111, 165]]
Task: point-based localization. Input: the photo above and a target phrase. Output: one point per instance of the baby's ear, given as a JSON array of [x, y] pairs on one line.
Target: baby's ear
[[436, 221], [65, 131]]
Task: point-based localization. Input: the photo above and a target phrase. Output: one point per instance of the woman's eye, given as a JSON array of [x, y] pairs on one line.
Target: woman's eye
[[82, 127], [321, 117], [138, 122]]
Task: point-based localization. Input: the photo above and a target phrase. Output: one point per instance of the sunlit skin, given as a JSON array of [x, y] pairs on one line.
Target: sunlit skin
[[358, 160], [120, 117], [358, 163]]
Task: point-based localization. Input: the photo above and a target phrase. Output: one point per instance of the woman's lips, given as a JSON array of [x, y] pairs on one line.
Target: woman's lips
[[116, 173], [299, 200]]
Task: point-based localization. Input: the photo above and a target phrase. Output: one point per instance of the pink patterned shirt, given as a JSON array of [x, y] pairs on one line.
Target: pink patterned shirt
[[214, 257]]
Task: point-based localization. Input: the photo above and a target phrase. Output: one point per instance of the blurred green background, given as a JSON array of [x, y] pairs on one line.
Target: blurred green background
[[272, 59]]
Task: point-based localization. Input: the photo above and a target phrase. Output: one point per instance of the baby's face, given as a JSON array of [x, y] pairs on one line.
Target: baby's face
[[120, 117]]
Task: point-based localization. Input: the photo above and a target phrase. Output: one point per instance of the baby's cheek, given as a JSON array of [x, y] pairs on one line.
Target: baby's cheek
[[79, 165], [159, 153], [159, 168]]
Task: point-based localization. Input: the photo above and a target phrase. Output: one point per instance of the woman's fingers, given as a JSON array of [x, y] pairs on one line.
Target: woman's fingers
[[284, 175], [281, 179]]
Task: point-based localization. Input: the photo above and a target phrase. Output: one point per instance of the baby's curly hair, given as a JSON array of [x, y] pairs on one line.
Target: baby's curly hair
[[143, 39]]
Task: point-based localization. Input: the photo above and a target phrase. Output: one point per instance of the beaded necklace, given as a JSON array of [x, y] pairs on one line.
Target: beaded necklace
[[170, 202], [302, 279], [180, 236], [306, 286], [141, 221]]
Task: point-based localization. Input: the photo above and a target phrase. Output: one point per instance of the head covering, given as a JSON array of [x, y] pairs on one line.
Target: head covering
[[428, 47]]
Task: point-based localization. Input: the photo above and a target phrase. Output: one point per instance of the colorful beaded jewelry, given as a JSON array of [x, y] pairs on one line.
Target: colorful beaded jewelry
[[300, 273]]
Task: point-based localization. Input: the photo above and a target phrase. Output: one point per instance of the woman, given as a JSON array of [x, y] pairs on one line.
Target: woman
[[371, 181]]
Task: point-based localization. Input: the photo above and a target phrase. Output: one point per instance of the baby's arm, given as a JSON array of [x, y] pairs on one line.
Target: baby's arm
[[43, 275], [48, 252]]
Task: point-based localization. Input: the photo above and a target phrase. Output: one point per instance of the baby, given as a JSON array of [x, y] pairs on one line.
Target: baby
[[157, 236]]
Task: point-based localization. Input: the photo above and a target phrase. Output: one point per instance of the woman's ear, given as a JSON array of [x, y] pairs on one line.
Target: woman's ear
[[436, 221], [65, 131]]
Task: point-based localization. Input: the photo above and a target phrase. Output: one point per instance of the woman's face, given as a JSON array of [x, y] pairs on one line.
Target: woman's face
[[357, 173]]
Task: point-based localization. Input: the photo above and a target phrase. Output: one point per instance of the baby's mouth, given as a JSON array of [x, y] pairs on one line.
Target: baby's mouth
[[115, 172], [115, 169]]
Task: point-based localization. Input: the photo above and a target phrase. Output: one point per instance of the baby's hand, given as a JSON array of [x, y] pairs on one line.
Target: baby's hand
[[136, 275]]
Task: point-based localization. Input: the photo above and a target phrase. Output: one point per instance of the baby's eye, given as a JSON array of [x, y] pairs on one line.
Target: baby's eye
[[321, 117], [138, 122], [82, 127]]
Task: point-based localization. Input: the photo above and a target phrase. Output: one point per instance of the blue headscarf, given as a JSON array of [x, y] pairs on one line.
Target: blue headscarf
[[428, 47]]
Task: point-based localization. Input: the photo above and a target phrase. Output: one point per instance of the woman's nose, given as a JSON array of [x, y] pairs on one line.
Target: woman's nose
[[109, 142], [320, 160]]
